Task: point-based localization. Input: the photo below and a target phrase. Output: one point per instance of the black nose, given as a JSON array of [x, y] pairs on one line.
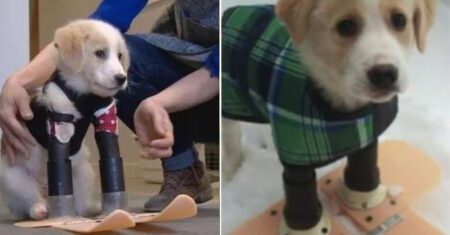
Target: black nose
[[120, 79], [383, 76]]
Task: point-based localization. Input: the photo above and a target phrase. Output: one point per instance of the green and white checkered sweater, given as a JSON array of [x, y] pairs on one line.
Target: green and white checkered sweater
[[265, 81]]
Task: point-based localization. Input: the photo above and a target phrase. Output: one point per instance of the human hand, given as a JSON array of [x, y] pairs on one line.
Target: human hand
[[154, 130], [14, 108]]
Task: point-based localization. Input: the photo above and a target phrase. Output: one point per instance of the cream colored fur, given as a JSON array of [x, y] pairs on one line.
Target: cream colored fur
[[338, 65], [24, 186]]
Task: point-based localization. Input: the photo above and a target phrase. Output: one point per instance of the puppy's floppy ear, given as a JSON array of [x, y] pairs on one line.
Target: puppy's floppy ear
[[69, 41], [296, 15], [424, 15]]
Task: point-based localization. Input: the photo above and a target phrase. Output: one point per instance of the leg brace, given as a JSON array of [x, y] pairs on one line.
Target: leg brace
[[362, 173], [60, 129], [303, 209], [111, 167]]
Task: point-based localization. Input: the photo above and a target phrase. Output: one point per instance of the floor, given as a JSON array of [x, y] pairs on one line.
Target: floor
[[206, 222]]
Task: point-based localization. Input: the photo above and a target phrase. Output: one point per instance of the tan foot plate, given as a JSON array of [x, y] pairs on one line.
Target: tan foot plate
[[268, 222], [116, 220], [401, 165], [181, 207]]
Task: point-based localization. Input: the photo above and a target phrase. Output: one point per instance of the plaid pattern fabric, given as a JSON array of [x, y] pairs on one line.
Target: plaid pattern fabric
[[265, 81]]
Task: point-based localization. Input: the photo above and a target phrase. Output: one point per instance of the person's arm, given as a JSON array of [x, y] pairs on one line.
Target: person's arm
[[212, 63], [39, 70], [188, 92], [196, 88], [151, 119], [15, 102], [119, 13]]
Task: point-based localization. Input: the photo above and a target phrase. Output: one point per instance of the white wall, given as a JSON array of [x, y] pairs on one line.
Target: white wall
[[14, 36]]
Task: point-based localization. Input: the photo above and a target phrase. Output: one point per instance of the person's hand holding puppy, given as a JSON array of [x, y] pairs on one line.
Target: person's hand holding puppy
[[15, 105]]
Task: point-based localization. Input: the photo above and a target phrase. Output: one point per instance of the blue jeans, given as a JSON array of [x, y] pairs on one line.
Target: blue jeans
[[151, 71]]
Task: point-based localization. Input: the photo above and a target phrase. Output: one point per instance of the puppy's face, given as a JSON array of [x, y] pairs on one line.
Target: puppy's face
[[358, 48], [96, 56]]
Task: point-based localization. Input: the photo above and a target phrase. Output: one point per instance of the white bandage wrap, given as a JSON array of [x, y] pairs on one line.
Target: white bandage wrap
[[362, 200]]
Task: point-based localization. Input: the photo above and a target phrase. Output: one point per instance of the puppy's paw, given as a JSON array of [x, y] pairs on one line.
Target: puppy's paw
[[38, 211]]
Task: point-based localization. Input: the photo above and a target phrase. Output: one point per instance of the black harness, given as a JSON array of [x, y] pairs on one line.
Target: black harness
[[45, 128], [86, 104]]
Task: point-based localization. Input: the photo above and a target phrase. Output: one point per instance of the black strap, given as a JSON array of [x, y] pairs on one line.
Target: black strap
[[60, 117]]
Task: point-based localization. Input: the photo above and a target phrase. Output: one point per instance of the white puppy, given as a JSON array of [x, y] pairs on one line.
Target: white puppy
[[325, 74], [347, 45], [92, 59]]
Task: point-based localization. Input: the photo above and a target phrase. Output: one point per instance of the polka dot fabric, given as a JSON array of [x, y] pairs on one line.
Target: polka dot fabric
[[107, 121]]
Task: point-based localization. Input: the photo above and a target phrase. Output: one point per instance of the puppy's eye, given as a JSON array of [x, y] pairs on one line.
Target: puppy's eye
[[347, 28], [399, 21], [120, 56], [101, 54]]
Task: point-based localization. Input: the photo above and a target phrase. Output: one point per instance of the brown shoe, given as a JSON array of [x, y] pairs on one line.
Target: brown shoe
[[192, 181]]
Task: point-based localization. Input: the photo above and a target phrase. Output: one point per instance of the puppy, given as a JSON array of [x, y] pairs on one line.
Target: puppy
[[92, 65], [325, 74]]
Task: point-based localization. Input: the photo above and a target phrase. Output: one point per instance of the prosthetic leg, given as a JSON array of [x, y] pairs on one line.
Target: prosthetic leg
[[362, 188], [65, 137], [399, 163], [111, 166], [303, 213], [60, 128]]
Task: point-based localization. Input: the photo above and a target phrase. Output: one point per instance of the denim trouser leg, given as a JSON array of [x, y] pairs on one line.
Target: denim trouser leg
[[151, 71]]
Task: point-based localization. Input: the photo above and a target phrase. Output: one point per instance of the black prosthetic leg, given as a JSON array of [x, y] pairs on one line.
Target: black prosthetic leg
[[303, 209], [111, 173], [362, 172], [111, 166], [59, 170]]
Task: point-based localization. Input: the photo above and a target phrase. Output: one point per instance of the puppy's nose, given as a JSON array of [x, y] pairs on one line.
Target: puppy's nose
[[120, 79], [383, 76]]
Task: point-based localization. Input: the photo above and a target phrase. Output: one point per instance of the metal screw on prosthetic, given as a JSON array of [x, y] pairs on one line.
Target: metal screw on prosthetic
[[111, 166], [59, 167]]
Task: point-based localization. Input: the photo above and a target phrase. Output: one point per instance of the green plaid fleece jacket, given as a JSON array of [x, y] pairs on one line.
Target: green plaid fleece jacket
[[265, 81]]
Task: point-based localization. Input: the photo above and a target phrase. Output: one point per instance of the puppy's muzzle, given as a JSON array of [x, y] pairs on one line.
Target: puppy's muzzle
[[120, 79], [383, 77]]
